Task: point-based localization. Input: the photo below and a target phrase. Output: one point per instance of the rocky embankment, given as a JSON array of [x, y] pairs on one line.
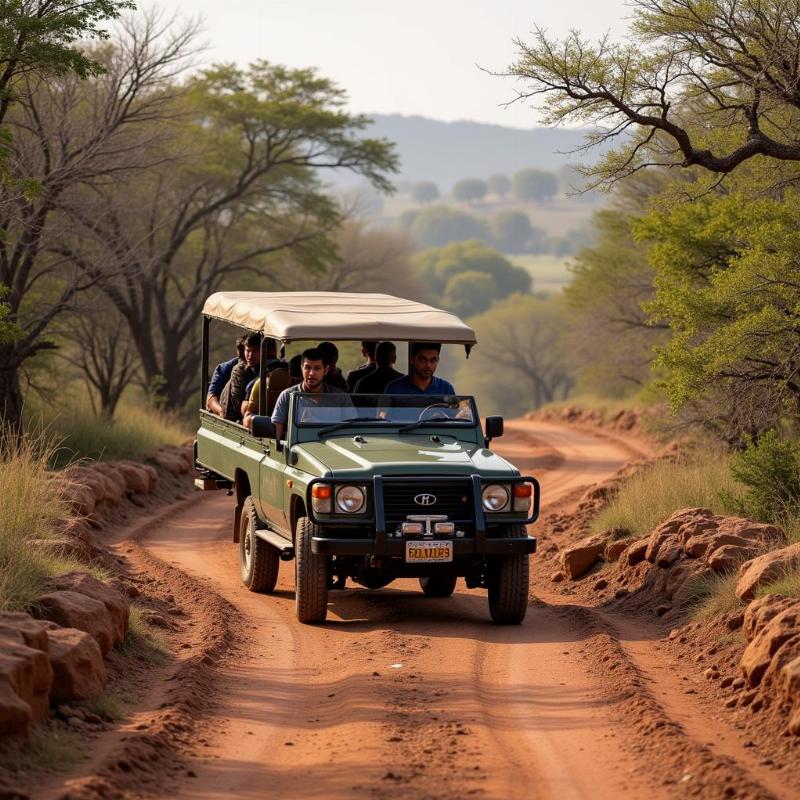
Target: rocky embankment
[[627, 420], [751, 648], [55, 654]]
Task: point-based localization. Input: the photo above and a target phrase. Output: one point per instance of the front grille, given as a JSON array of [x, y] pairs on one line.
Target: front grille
[[453, 498]]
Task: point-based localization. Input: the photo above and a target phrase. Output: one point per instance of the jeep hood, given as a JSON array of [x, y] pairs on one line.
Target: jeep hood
[[399, 455]]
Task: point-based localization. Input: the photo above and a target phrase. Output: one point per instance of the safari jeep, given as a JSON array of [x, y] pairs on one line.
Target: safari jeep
[[367, 487]]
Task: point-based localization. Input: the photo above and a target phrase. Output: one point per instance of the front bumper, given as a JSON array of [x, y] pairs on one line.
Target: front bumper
[[333, 546]]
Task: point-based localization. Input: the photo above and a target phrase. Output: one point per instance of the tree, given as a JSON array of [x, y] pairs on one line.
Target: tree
[[469, 189], [74, 137], [437, 226], [468, 293], [41, 38], [521, 345], [612, 335], [707, 83], [102, 351], [368, 259], [243, 195], [511, 231], [726, 271], [425, 192], [499, 185], [437, 266], [534, 184]]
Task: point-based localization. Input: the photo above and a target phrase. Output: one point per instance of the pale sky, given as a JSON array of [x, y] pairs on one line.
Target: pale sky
[[408, 57]]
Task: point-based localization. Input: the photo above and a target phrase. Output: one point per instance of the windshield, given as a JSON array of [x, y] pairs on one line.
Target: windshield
[[330, 408]]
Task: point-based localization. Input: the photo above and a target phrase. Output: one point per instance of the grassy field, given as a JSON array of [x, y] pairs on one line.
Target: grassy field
[[550, 274]]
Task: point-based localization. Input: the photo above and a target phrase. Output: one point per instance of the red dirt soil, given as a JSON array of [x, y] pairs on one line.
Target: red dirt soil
[[403, 695]]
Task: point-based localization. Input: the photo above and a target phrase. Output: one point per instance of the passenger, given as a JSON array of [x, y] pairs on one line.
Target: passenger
[[242, 374], [273, 363], [333, 377], [355, 375], [294, 367], [421, 378], [220, 378], [375, 382], [313, 369]]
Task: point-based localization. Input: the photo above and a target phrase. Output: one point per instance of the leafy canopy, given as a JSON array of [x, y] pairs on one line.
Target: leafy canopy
[[711, 83]]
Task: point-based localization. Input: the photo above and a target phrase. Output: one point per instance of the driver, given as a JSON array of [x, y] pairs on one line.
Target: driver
[[314, 369], [421, 378]]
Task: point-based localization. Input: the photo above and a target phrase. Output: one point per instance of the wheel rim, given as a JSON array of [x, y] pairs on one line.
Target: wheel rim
[[247, 552]]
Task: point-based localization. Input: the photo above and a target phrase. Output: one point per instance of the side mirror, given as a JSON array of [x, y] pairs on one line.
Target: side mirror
[[494, 428], [263, 428]]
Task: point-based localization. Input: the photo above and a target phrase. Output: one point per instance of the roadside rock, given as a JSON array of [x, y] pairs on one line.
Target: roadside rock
[[74, 610], [80, 497], [116, 604], [66, 547], [777, 631], [581, 557], [615, 549], [33, 631], [635, 552], [766, 568], [137, 479], [28, 672], [78, 669]]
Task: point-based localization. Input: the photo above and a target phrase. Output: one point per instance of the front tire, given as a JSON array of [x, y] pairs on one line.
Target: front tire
[[259, 561], [438, 585], [508, 578], [311, 576]]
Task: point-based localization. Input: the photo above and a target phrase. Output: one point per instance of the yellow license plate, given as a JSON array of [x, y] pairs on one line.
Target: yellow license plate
[[428, 552]]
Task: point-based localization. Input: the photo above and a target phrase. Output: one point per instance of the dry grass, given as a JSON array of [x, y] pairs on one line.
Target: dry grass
[[134, 431], [144, 641], [51, 748], [651, 496], [31, 505], [788, 585], [713, 596]]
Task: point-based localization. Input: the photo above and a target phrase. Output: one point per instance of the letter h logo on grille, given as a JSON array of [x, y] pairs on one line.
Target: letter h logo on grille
[[425, 499]]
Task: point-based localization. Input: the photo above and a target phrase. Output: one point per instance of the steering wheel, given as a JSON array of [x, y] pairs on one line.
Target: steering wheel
[[434, 416]]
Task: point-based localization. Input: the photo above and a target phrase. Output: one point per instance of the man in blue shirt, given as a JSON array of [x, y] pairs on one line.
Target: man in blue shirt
[[421, 378], [221, 376]]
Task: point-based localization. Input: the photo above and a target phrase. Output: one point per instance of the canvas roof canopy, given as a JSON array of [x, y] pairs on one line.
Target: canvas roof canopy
[[305, 316]]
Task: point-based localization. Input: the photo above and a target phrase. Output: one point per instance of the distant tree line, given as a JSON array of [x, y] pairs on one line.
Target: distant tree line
[[508, 230], [527, 185]]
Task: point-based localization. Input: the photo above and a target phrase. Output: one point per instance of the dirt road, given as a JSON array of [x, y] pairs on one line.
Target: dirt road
[[403, 695]]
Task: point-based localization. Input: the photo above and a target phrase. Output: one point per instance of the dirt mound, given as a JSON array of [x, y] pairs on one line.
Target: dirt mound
[[627, 420]]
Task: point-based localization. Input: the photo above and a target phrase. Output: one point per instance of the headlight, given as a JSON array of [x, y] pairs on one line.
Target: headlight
[[495, 497], [350, 499]]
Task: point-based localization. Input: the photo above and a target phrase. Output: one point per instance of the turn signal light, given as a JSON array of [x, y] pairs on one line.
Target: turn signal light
[[321, 498], [522, 497]]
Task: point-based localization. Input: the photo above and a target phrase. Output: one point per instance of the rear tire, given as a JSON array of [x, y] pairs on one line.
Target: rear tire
[[259, 561], [438, 585], [508, 578], [311, 576]]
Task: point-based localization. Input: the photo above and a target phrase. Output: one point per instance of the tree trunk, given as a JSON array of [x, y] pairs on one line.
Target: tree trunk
[[10, 390]]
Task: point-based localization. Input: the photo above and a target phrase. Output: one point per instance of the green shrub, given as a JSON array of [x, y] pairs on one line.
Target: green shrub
[[654, 494], [770, 470]]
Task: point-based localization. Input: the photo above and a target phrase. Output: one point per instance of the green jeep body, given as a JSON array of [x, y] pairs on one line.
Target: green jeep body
[[398, 471]]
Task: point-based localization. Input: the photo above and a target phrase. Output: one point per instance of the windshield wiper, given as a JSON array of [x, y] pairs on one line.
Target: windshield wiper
[[420, 422], [346, 423]]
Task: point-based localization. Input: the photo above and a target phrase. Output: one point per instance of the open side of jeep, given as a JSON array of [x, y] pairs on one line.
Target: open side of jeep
[[367, 487]]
